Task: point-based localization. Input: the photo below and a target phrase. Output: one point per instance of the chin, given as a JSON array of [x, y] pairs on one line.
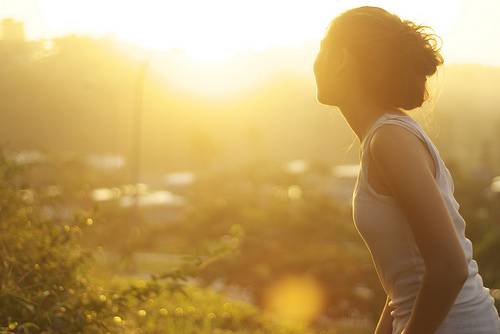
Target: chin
[[326, 100]]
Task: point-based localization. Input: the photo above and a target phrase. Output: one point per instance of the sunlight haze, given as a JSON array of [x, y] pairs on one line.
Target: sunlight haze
[[217, 30]]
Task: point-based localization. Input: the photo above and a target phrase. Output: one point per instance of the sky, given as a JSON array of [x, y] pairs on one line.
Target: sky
[[220, 29]]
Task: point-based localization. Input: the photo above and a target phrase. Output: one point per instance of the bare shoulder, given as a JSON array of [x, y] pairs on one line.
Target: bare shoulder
[[394, 147], [391, 136]]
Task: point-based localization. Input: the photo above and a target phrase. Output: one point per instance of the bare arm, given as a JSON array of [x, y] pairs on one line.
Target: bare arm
[[384, 325], [402, 160]]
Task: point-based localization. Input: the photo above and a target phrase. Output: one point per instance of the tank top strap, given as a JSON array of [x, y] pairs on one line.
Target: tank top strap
[[408, 123]]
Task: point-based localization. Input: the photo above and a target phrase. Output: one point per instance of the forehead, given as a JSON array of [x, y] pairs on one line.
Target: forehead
[[345, 31], [329, 41], [331, 37]]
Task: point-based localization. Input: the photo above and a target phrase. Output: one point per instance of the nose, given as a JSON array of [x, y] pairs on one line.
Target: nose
[[317, 64]]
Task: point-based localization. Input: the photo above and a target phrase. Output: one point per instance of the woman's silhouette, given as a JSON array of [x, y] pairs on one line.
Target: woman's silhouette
[[372, 65]]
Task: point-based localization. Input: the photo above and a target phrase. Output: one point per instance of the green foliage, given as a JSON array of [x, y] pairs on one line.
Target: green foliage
[[46, 286], [43, 287]]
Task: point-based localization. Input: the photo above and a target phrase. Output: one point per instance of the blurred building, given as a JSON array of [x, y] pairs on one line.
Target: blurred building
[[12, 30]]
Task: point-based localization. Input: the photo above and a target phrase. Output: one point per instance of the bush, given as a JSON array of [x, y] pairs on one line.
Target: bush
[[46, 285]]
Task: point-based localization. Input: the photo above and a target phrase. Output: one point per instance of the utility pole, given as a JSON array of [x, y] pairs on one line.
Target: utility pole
[[137, 130]]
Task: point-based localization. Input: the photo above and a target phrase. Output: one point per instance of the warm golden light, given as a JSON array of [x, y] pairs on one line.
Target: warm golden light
[[217, 30], [225, 47]]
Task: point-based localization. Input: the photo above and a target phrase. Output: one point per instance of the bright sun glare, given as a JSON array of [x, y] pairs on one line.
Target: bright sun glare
[[209, 31], [222, 45]]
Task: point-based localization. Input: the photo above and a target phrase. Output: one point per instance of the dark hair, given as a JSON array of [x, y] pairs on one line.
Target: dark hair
[[395, 56]]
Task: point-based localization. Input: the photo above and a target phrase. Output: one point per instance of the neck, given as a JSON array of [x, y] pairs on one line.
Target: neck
[[360, 117]]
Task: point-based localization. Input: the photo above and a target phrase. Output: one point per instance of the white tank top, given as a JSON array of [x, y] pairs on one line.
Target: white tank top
[[395, 254]]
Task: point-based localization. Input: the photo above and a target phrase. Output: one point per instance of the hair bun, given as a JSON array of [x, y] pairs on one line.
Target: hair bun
[[423, 47], [395, 56]]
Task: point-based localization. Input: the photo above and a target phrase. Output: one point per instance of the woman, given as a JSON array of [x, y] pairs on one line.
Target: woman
[[372, 65]]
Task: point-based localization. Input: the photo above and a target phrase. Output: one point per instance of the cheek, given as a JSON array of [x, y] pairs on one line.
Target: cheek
[[325, 75], [317, 66], [329, 84], [320, 69]]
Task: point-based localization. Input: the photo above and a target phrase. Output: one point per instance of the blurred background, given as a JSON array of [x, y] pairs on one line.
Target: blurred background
[[166, 167]]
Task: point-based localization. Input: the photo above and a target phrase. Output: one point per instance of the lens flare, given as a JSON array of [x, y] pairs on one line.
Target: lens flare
[[294, 300]]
